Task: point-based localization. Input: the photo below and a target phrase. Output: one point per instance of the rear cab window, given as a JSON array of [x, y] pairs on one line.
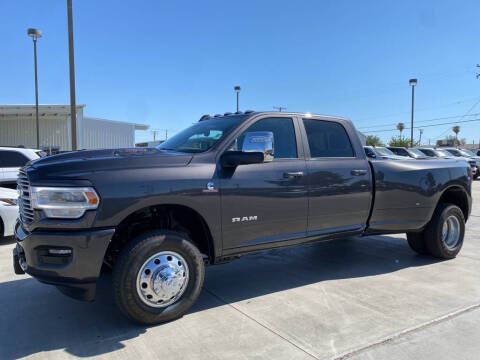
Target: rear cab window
[[327, 139]]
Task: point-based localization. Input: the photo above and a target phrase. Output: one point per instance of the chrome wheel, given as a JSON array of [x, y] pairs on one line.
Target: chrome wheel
[[451, 232], [162, 279]]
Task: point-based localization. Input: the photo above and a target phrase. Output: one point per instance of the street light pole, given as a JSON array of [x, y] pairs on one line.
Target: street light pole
[[35, 34], [412, 83], [73, 106], [237, 90]]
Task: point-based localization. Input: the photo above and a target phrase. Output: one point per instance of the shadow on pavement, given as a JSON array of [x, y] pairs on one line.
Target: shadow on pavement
[[288, 268], [36, 317]]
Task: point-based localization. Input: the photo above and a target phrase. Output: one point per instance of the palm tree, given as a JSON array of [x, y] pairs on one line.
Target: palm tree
[[456, 130], [400, 127]]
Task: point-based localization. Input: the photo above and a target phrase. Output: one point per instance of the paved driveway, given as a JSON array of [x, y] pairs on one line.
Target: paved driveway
[[364, 298]]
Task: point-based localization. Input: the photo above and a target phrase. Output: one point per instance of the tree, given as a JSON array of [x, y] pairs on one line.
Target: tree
[[373, 140], [400, 127], [399, 141], [456, 130]]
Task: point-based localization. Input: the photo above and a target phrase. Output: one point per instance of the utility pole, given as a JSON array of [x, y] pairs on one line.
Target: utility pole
[[166, 134], [35, 34], [420, 140], [73, 106], [280, 108], [412, 83]]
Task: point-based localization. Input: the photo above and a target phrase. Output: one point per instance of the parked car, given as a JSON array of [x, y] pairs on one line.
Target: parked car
[[469, 153], [476, 152], [444, 154], [8, 211], [409, 152], [11, 160], [470, 157], [431, 153], [226, 186], [380, 152]]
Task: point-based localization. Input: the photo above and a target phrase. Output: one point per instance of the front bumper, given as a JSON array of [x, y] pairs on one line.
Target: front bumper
[[70, 260]]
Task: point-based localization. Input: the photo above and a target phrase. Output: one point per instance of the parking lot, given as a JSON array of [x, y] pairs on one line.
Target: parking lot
[[361, 298]]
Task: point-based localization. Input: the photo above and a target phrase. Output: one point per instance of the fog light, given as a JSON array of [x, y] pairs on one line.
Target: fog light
[[60, 251]]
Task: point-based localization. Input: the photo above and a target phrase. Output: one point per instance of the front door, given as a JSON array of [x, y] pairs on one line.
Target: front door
[[267, 202]]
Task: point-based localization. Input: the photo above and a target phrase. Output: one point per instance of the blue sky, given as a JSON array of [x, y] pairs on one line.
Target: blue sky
[[167, 63]]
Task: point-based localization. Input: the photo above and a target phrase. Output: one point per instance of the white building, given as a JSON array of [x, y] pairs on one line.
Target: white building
[[17, 127]]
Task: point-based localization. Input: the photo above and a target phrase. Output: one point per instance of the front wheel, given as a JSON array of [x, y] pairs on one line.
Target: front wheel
[[157, 277]]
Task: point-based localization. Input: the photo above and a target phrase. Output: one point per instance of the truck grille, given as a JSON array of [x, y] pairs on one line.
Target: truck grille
[[24, 201]]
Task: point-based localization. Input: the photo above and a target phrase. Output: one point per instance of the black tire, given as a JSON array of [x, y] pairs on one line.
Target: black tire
[[434, 243], [475, 177], [1, 230], [130, 261], [417, 242]]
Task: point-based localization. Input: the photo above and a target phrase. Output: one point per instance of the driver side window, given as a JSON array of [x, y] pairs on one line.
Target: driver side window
[[285, 144]]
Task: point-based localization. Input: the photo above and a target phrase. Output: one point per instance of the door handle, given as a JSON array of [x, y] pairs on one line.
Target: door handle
[[358, 172], [289, 175]]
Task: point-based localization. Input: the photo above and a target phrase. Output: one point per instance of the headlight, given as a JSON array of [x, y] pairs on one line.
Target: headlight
[[9, 202], [66, 203]]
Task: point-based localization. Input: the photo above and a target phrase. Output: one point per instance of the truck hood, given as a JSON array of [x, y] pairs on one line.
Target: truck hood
[[81, 163]]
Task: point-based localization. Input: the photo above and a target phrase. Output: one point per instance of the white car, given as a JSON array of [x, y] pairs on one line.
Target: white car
[[8, 211], [11, 160]]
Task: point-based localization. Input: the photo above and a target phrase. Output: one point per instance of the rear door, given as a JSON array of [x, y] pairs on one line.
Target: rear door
[[339, 177]]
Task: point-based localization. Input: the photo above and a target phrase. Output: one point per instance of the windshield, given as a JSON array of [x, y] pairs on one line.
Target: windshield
[[416, 153], [467, 152], [201, 136], [383, 151], [429, 152], [442, 152], [454, 152]]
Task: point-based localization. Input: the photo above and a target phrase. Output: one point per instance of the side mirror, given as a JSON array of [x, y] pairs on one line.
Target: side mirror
[[259, 141], [232, 159], [373, 156]]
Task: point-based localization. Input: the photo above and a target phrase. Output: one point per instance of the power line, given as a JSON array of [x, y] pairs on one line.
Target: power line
[[421, 121], [473, 106], [424, 126], [420, 109]]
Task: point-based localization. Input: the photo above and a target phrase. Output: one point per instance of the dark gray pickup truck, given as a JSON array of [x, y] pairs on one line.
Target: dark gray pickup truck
[[229, 185]]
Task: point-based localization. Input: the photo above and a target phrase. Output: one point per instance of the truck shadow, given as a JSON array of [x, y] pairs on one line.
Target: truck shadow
[[37, 318]]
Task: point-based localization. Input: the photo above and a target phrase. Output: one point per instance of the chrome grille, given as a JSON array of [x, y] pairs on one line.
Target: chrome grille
[[24, 201]]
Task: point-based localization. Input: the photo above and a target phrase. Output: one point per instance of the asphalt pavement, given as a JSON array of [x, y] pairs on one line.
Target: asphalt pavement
[[356, 298]]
